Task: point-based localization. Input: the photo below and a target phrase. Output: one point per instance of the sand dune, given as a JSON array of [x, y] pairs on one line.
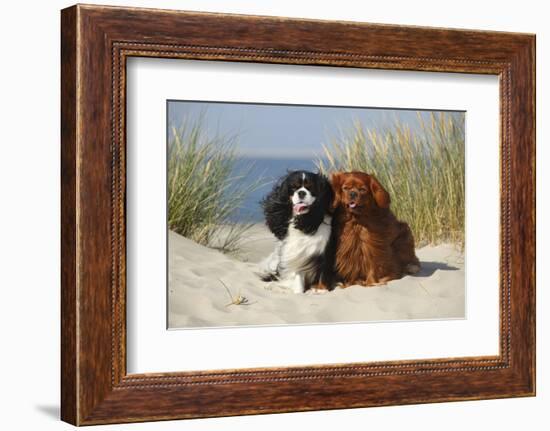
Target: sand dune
[[198, 298]]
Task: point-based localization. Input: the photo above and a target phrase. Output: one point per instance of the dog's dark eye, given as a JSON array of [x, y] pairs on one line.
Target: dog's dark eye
[[345, 188], [293, 188], [362, 189]]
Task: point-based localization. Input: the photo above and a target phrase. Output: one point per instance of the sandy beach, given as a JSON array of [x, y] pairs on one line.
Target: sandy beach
[[197, 296]]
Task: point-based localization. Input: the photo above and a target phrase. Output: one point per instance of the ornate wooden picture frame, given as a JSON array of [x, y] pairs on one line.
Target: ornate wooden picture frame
[[96, 41]]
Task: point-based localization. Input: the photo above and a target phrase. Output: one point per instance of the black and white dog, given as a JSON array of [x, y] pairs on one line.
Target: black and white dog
[[296, 212]]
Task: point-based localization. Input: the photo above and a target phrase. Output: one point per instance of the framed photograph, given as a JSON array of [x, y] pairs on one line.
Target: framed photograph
[[265, 214]]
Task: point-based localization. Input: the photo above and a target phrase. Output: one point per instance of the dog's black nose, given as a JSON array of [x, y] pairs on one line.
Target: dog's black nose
[[353, 195], [301, 194]]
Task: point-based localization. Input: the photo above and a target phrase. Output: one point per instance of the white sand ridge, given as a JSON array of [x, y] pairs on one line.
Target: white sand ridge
[[198, 277]]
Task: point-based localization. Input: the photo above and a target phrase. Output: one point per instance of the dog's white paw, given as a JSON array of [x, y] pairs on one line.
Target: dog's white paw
[[316, 291], [268, 267], [298, 290]]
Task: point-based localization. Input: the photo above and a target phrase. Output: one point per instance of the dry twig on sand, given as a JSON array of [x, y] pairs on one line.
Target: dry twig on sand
[[237, 300]]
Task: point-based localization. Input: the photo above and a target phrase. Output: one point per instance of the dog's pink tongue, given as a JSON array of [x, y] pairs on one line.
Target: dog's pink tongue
[[298, 208], [352, 205]]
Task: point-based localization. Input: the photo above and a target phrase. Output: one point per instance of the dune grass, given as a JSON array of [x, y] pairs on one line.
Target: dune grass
[[422, 169], [205, 188]]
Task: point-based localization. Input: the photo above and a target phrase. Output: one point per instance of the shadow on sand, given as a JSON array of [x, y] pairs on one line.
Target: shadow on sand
[[428, 268]]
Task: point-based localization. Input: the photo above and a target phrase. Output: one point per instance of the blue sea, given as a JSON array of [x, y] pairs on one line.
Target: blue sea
[[268, 171]]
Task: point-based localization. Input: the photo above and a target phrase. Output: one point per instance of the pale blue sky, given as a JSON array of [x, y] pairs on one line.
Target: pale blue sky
[[284, 131]]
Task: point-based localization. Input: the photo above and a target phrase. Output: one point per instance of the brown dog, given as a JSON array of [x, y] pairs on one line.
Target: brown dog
[[372, 246]]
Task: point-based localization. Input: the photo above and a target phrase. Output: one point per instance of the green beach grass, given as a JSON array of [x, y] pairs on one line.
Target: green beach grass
[[422, 169], [203, 188]]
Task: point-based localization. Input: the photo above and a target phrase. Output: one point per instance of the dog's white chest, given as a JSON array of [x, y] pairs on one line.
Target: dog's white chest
[[298, 248]]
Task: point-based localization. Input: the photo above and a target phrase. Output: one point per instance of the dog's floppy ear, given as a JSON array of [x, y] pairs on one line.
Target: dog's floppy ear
[[281, 188], [381, 196], [278, 208], [336, 179]]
